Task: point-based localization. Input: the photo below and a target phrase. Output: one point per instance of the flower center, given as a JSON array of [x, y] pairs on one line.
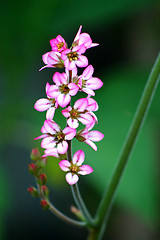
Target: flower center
[[64, 89], [59, 137], [74, 168], [60, 45], [72, 56], [74, 113], [52, 101]]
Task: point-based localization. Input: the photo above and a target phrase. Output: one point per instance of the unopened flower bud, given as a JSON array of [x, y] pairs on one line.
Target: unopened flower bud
[[42, 162], [32, 168], [44, 204], [33, 191], [35, 154], [45, 190], [42, 179]]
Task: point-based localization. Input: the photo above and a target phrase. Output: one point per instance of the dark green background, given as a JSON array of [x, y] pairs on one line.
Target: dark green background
[[129, 36]]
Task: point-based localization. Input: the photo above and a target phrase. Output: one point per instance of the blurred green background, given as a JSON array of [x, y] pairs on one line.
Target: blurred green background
[[129, 37]]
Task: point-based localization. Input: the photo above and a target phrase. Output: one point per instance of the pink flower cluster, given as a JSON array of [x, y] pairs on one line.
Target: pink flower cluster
[[66, 85]]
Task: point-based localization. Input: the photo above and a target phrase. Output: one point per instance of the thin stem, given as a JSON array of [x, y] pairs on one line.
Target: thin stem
[[75, 191], [59, 214], [80, 203], [108, 197]]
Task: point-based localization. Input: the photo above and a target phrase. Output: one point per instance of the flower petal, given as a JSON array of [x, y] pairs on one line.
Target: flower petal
[[85, 169], [63, 100], [70, 133], [81, 104], [51, 127], [88, 72], [42, 104], [66, 111], [59, 78], [82, 61], [62, 147], [73, 123], [86, 118], [71, 178], [95, 136], [48, 142], [50, 113], [94, 83], [52, 91], [51, 152], [92, 105], [73, 89], [64, 165], [91, 144], [78, 33], [78, 158]]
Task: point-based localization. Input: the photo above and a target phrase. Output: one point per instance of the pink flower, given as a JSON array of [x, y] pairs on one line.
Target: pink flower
[[87, 83], [58, 44], [63, 90], [83, 39], [90, 137], [53, 136], [79, 112], [48, 104], [73, 57], [52, 59], [75, 168]]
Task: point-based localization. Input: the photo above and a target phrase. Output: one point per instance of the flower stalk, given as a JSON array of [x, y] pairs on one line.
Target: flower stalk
[[141, 112]]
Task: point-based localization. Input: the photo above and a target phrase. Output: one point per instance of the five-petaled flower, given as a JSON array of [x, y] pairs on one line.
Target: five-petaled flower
[[49, 104], [58, 44], [53, 136], [75, 167], [81, 111], [63, 90]]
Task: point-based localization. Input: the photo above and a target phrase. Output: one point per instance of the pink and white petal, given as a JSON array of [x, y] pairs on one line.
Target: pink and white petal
[[85, 169], [95, 136], [70, 65], [94, 116], [47, 86], [42, 104], [92, 105], [78, 158], [91, 125], [43, 130], [57, 79], [94, 45], [81, 104], [51, 152], [50, 113], [94, 83], [48, 142], [63, 100], [82, 61], [88, 72], [64, 54], [78, 33], [65, 165], [45, 57], [66, 112], [73, 123], [51, 127], [71, 178], [53, 92], [86, 118], [89, 91], [41, 136], [73, 89], [62, 147], [91, 144], [70, 133], [79, 49], [52, 58]]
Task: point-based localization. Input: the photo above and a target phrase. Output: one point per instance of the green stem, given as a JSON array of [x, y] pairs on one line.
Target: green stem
[[59, 214], [80, 204], [108, 197]]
